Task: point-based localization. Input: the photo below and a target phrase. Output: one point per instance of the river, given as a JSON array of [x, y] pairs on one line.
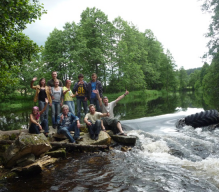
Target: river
[[164, 158]]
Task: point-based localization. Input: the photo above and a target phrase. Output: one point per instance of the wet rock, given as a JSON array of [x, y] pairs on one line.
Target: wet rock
[[26, 144], [126, 148], [131, 140], [57, 153], [104, 139], [35, 167], [26, 160]]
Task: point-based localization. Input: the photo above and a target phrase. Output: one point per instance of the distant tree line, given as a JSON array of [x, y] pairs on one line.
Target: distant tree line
[[121, 55]]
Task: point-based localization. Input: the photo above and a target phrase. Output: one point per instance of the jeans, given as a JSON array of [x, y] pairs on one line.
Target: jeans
[[66, 131], [94, 129], [71, 106], [96, 103], [35, 129], [55, 111], [79, 101], [44, 115]]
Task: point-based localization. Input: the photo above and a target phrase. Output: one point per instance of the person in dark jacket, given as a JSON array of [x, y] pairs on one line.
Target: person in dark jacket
[[68, 122], [80, 88], [94, 84]]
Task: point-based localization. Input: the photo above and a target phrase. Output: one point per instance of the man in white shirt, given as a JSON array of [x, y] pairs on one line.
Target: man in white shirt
[[93, 122], [111, 122]]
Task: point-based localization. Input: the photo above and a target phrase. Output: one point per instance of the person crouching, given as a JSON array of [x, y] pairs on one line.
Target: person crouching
[[68, 122], [93, 122]]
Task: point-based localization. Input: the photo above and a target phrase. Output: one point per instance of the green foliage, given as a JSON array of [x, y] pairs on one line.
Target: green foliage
[[183, 78], [122, 57], [15, 47]]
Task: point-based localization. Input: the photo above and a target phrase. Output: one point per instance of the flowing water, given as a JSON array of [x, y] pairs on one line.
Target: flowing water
[[164, 158]]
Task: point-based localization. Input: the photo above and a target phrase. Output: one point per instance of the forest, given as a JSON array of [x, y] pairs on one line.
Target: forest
[[121, 55]]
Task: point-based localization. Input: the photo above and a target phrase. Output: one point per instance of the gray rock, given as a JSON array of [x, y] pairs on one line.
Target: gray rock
[[26, 144], [26, 160], [131, 140], [104, 139]]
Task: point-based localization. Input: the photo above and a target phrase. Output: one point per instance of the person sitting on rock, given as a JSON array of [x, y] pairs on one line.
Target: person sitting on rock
[[35, 126], [93, 122], [68, 122], [111, 122]]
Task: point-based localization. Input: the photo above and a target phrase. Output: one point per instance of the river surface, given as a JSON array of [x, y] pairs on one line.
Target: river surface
[[164, 158]]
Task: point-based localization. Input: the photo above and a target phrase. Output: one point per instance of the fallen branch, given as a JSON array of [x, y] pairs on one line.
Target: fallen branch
[[58, 144]]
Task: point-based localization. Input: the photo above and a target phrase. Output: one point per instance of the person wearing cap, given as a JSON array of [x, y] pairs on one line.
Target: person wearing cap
[[93, 122], [111, 122], [80, 88], [94, 84]]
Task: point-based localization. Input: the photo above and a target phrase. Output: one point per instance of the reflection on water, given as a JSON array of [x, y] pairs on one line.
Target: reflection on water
[[137, 107], [164, 158]]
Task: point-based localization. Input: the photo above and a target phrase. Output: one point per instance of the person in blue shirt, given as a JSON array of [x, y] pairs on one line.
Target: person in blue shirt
[[68, 122], [94, 84]]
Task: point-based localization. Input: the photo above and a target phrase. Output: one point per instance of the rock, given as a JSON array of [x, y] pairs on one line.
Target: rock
[[126, 148], [26, 160], [26, 144], [35, 167], [104, 139], [11, 135], [57, 153], [131, 140], [63, 137]]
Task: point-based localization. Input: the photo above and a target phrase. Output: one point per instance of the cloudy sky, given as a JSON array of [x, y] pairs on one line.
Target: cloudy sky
[[179, 25]]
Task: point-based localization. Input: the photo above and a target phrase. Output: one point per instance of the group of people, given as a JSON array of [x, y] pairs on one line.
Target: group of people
[[53, 93]]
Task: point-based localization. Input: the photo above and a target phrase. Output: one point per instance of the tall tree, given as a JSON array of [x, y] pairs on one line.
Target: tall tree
[[15, 47], [183, 78], [97, 31]]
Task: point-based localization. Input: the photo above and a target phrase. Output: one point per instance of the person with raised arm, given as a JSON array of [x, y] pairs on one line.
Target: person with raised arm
[[68, 96], [93, 122], [111, 122], [35, 126], [57, 101], [69, 122], [42, 92]]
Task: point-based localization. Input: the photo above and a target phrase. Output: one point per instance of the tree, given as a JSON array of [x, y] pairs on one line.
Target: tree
[[97, 32], [15, 47], [183, 78], [169, 81], [14, 16]]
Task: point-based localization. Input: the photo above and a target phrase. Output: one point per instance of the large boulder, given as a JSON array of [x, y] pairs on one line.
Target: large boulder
[[35, 167], [127, 140], [104, 139], [26, 144]]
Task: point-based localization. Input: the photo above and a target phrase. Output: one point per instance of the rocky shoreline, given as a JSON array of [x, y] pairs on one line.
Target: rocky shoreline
[[26, 154]]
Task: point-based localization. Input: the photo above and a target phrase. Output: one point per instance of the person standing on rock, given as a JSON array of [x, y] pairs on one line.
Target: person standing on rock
[[111, 122], [42, 92], [68, 122], [68, 96], [94, 84], [80, 88], [57, 101], [51, 83], [35, 126], [93, 122]]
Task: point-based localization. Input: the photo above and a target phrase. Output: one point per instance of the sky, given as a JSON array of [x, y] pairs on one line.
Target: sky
[[179, 25]]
